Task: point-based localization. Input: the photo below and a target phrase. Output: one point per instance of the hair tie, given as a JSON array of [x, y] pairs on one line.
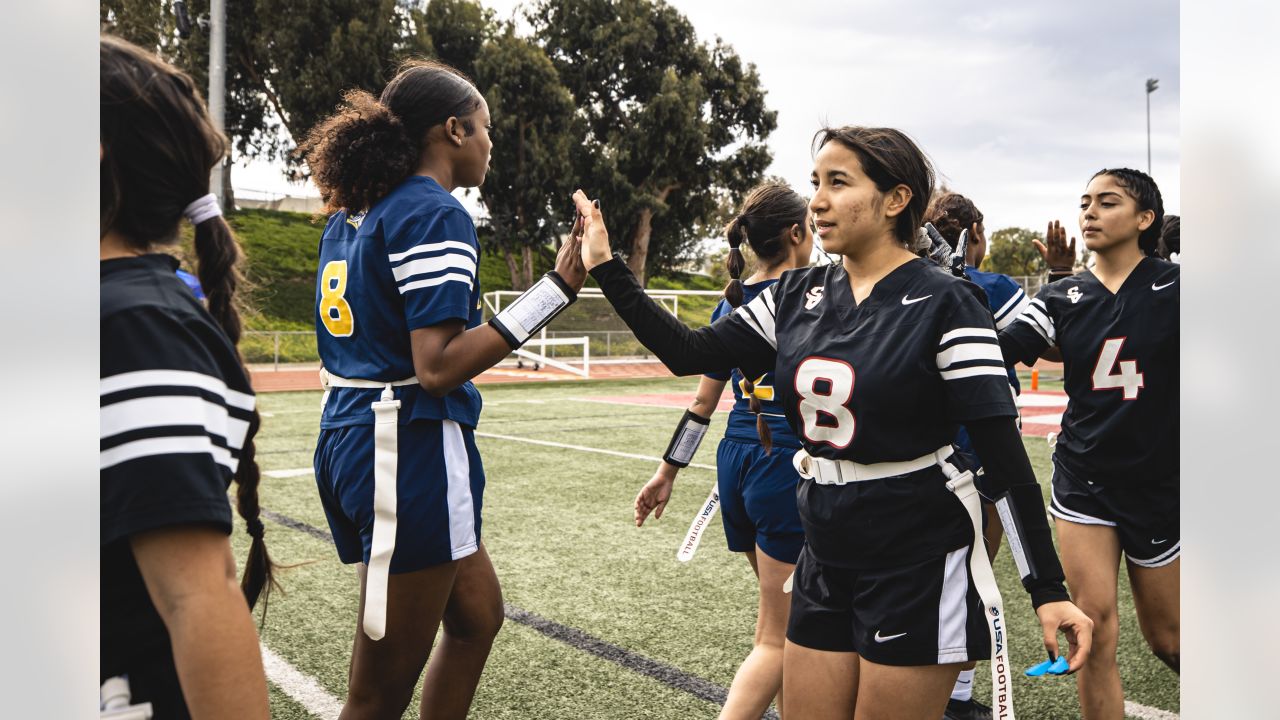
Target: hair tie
[[202, 209]]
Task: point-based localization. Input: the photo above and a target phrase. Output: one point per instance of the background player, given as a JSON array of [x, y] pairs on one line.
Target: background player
[[952, 214], [399, 331], [875, 378], [177, 412], [757, 486], [1115, 481]]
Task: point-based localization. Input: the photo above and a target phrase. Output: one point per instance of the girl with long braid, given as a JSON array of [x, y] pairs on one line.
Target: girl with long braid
[[178, 415], [755, 479]]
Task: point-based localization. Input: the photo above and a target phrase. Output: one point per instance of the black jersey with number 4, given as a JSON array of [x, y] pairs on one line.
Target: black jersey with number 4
[[889, 379], [1120, 358]]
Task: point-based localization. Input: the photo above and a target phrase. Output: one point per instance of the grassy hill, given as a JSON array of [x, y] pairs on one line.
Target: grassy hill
[[281, 258]]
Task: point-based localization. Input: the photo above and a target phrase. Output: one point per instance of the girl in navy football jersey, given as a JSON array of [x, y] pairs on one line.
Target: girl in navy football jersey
[[398, 327], [878, 360], [756, 482], [178, 416], [1115, 481]]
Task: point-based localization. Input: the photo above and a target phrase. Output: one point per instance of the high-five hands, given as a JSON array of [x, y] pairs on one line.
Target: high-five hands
[[1057, 254], [595, 236], [569, 259]]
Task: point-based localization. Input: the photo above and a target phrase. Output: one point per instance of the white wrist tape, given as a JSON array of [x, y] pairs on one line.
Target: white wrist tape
[[533, 309], [688, 436]]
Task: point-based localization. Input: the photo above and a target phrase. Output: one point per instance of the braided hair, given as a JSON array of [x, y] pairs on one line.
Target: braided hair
[[765, 221], [160, 146], [1146, 194]]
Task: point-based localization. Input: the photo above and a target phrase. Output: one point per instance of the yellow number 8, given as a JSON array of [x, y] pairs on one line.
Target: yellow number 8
[[335, 311]]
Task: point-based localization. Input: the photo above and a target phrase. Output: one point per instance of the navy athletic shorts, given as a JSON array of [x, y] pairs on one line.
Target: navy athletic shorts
[[1145, 515], [920, 613], [439, 492], [758, 499]]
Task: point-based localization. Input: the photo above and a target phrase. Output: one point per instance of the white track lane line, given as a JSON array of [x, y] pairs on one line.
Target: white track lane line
[[301, 687], [615, 453]]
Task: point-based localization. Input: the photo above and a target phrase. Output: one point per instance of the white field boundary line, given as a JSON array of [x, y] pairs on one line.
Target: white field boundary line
[[1142, 712], [301, 687], [582, 448], [292, 472]]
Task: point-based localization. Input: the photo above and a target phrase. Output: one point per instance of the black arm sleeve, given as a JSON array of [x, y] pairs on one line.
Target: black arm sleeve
[[1014, 350], [725, 344], [1010, 480]]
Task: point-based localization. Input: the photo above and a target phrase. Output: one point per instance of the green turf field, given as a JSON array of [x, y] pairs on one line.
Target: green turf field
[[581, 581]]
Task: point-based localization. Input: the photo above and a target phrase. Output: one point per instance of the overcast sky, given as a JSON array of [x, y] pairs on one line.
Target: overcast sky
[[1017, 103]]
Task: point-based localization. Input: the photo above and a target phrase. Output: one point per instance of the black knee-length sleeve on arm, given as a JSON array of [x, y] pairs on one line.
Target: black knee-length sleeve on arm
[[742, 339], [1012, 486]]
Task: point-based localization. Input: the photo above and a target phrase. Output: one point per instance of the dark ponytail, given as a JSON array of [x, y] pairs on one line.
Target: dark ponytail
[[1146, 194], [159, 146], [768, 214], [362, 152]]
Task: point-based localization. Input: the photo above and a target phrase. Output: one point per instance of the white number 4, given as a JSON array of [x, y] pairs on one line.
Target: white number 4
[[1128, 378]]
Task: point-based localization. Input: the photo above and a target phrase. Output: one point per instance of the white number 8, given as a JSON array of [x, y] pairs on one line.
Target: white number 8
[[825, 417]]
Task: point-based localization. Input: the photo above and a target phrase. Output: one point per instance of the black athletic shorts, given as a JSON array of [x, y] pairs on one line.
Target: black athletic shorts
[[922, 613], [1145, 515]]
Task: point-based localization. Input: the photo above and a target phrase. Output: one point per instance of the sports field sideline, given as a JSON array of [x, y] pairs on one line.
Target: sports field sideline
[[602, 621]]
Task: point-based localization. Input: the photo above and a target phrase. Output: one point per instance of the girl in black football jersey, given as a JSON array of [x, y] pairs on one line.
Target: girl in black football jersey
[[1115, 482], [177, 413], [878, 360]]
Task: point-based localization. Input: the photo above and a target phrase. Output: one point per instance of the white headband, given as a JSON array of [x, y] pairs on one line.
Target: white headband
[[202, 209]]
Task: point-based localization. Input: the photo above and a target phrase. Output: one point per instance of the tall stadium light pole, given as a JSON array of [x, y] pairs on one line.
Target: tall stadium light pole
[[217, 79], [1152, 84]]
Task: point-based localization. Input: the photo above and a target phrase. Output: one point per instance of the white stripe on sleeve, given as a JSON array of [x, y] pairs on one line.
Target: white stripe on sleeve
[[969, 351], [172, 410], [978, 332], [1011, 310], [1038, 318], [434, 247], [440, 280], [192, 444], [767, 297], [175, 378], [448, 261], [758, 317], [975, 371]]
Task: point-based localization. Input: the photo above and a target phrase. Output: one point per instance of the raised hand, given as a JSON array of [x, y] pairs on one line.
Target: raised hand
[[1057, 254], [1066, 617], [569, 259], [595, 236]]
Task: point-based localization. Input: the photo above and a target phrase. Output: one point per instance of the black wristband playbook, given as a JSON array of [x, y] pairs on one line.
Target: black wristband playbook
[[684, 443], [536, 307]]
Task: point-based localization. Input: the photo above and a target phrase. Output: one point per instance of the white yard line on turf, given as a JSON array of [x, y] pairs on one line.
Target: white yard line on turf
[[1142, 712], [302, 688], [615, 453], [294, 472]]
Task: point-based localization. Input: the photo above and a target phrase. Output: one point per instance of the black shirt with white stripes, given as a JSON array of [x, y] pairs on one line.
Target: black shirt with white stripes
[[175, 406], [890, 379], [1120, 355]]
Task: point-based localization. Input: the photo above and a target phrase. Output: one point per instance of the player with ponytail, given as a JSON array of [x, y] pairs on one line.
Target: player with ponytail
[[399, 330], [178, 416], [1115, 490], [756, 483]]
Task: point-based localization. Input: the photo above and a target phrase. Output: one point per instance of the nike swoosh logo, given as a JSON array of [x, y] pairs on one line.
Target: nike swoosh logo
[[1158, 288], [1159, 542], [886, 638], [912, 301]]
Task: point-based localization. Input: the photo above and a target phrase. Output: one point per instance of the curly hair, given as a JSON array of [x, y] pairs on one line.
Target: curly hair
[[362, 152], [952, 213]]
